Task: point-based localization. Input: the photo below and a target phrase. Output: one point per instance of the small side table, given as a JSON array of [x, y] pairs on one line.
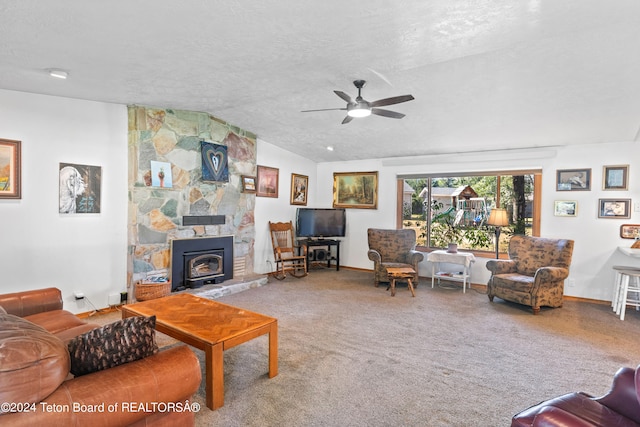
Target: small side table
[[400, 273], [461, 258]]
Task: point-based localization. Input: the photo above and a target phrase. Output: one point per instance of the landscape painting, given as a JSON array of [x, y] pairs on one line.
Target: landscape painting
[[357, 190], [10, 172]]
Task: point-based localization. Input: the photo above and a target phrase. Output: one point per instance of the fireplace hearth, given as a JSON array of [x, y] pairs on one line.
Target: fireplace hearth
[[201, 261]]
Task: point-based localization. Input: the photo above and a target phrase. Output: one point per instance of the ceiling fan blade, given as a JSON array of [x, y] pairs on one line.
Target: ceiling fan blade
[[344, 96], [347, 120], [391, 101], [324, 109], [387, 113]]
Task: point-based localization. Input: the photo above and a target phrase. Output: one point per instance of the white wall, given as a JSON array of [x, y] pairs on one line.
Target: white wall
[[87, 252], [40, 247], [280, 209], [596, 240]]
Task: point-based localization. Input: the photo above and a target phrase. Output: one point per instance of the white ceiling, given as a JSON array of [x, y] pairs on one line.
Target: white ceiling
[[485, 74]]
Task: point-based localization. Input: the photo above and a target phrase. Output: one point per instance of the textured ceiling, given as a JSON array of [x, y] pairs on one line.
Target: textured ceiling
[[485, 75]]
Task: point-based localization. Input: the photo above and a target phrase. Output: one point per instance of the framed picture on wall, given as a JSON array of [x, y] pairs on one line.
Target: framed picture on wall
[[267, 182], [10, 169], [630, 231], [299, 189], [573, 179], [355, 190], [615, 177], [248, 184], [565, 208], [614, 208], [215, 163], [79, 188]]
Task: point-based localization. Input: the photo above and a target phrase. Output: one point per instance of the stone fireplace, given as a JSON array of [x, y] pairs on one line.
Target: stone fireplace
[[192, 209], [201, 261]]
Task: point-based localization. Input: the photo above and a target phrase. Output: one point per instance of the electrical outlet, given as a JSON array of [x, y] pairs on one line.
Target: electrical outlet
[[114, 299], [78, 295], [572, 283]]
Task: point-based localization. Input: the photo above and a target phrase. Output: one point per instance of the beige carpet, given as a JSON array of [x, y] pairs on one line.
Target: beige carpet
[[351, 355]]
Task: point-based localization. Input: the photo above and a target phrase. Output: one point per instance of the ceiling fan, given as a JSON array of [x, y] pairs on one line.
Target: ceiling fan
[[359, 107]]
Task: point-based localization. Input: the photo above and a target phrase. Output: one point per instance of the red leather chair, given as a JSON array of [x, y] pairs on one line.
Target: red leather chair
[[619, 407]]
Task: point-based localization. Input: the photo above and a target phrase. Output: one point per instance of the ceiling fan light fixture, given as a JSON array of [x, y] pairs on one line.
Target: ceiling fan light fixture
[[361, 109]]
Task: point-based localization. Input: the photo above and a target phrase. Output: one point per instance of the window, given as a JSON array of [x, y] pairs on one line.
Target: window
[[447, 208]]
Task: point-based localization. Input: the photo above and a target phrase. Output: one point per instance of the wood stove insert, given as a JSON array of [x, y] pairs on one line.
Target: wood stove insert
[[201, 261]]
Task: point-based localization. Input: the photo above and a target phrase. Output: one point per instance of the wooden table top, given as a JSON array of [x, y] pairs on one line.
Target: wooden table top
[[400, 271], [209, 321]]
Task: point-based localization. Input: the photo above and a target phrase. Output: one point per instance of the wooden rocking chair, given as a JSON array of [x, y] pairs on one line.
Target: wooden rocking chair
[[285, 251]]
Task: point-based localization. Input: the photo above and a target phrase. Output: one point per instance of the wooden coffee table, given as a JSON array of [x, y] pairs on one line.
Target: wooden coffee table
[[212, 327]]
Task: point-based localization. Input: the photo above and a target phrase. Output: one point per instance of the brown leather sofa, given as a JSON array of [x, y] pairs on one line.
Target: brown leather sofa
[[619, 407], [36, 382], [535, 273]]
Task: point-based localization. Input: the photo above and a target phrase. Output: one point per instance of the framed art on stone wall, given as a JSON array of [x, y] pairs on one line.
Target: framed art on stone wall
[[79, 188], [161, 174], [248, 184], [215, 165], [10, 169]]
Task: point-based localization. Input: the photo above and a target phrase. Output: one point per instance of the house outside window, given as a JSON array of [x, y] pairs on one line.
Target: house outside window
[[454, 208]]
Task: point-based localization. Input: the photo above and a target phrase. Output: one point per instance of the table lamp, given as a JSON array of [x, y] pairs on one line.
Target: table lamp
[[498, 218]]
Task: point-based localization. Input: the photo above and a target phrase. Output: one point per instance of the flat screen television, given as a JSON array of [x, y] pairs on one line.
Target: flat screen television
[[320, 223]]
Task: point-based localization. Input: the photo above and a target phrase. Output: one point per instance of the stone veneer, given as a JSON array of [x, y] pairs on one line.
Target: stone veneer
[[155, 214]]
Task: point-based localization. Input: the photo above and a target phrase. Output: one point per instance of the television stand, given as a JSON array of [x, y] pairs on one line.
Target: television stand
[[317, 254]]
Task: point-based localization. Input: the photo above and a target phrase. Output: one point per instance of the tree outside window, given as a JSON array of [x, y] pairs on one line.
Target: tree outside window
[[454, 209]]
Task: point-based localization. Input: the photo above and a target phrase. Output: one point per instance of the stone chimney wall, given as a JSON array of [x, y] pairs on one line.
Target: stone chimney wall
[[155, 213]]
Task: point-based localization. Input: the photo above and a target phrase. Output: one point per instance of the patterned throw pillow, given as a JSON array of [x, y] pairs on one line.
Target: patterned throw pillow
[[120, 342]]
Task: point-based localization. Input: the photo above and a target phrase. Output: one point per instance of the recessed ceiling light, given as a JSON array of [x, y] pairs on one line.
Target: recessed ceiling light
[[57, 73], [330, 148]]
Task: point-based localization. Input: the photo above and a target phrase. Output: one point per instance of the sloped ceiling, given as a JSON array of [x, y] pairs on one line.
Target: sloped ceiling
[[486, 75]]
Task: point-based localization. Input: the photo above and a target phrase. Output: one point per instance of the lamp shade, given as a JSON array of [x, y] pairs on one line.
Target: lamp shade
[[498, 218]]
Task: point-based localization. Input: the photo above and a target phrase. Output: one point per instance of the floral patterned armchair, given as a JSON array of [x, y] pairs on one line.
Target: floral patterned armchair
[[392, 248], [535, 273]]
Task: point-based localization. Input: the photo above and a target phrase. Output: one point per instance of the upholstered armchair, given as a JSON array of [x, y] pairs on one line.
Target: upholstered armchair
[[535, 273], [392, 248]]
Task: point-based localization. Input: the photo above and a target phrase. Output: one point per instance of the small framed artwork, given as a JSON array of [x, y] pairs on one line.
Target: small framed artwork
[[357, 190], [215, 164], [10, 169], [614, 208], [299, 189], [615, 177], [630, 231], [79, 188], [267, 182], [573, 179], [565, 208], [161, 174], [248, 184]]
